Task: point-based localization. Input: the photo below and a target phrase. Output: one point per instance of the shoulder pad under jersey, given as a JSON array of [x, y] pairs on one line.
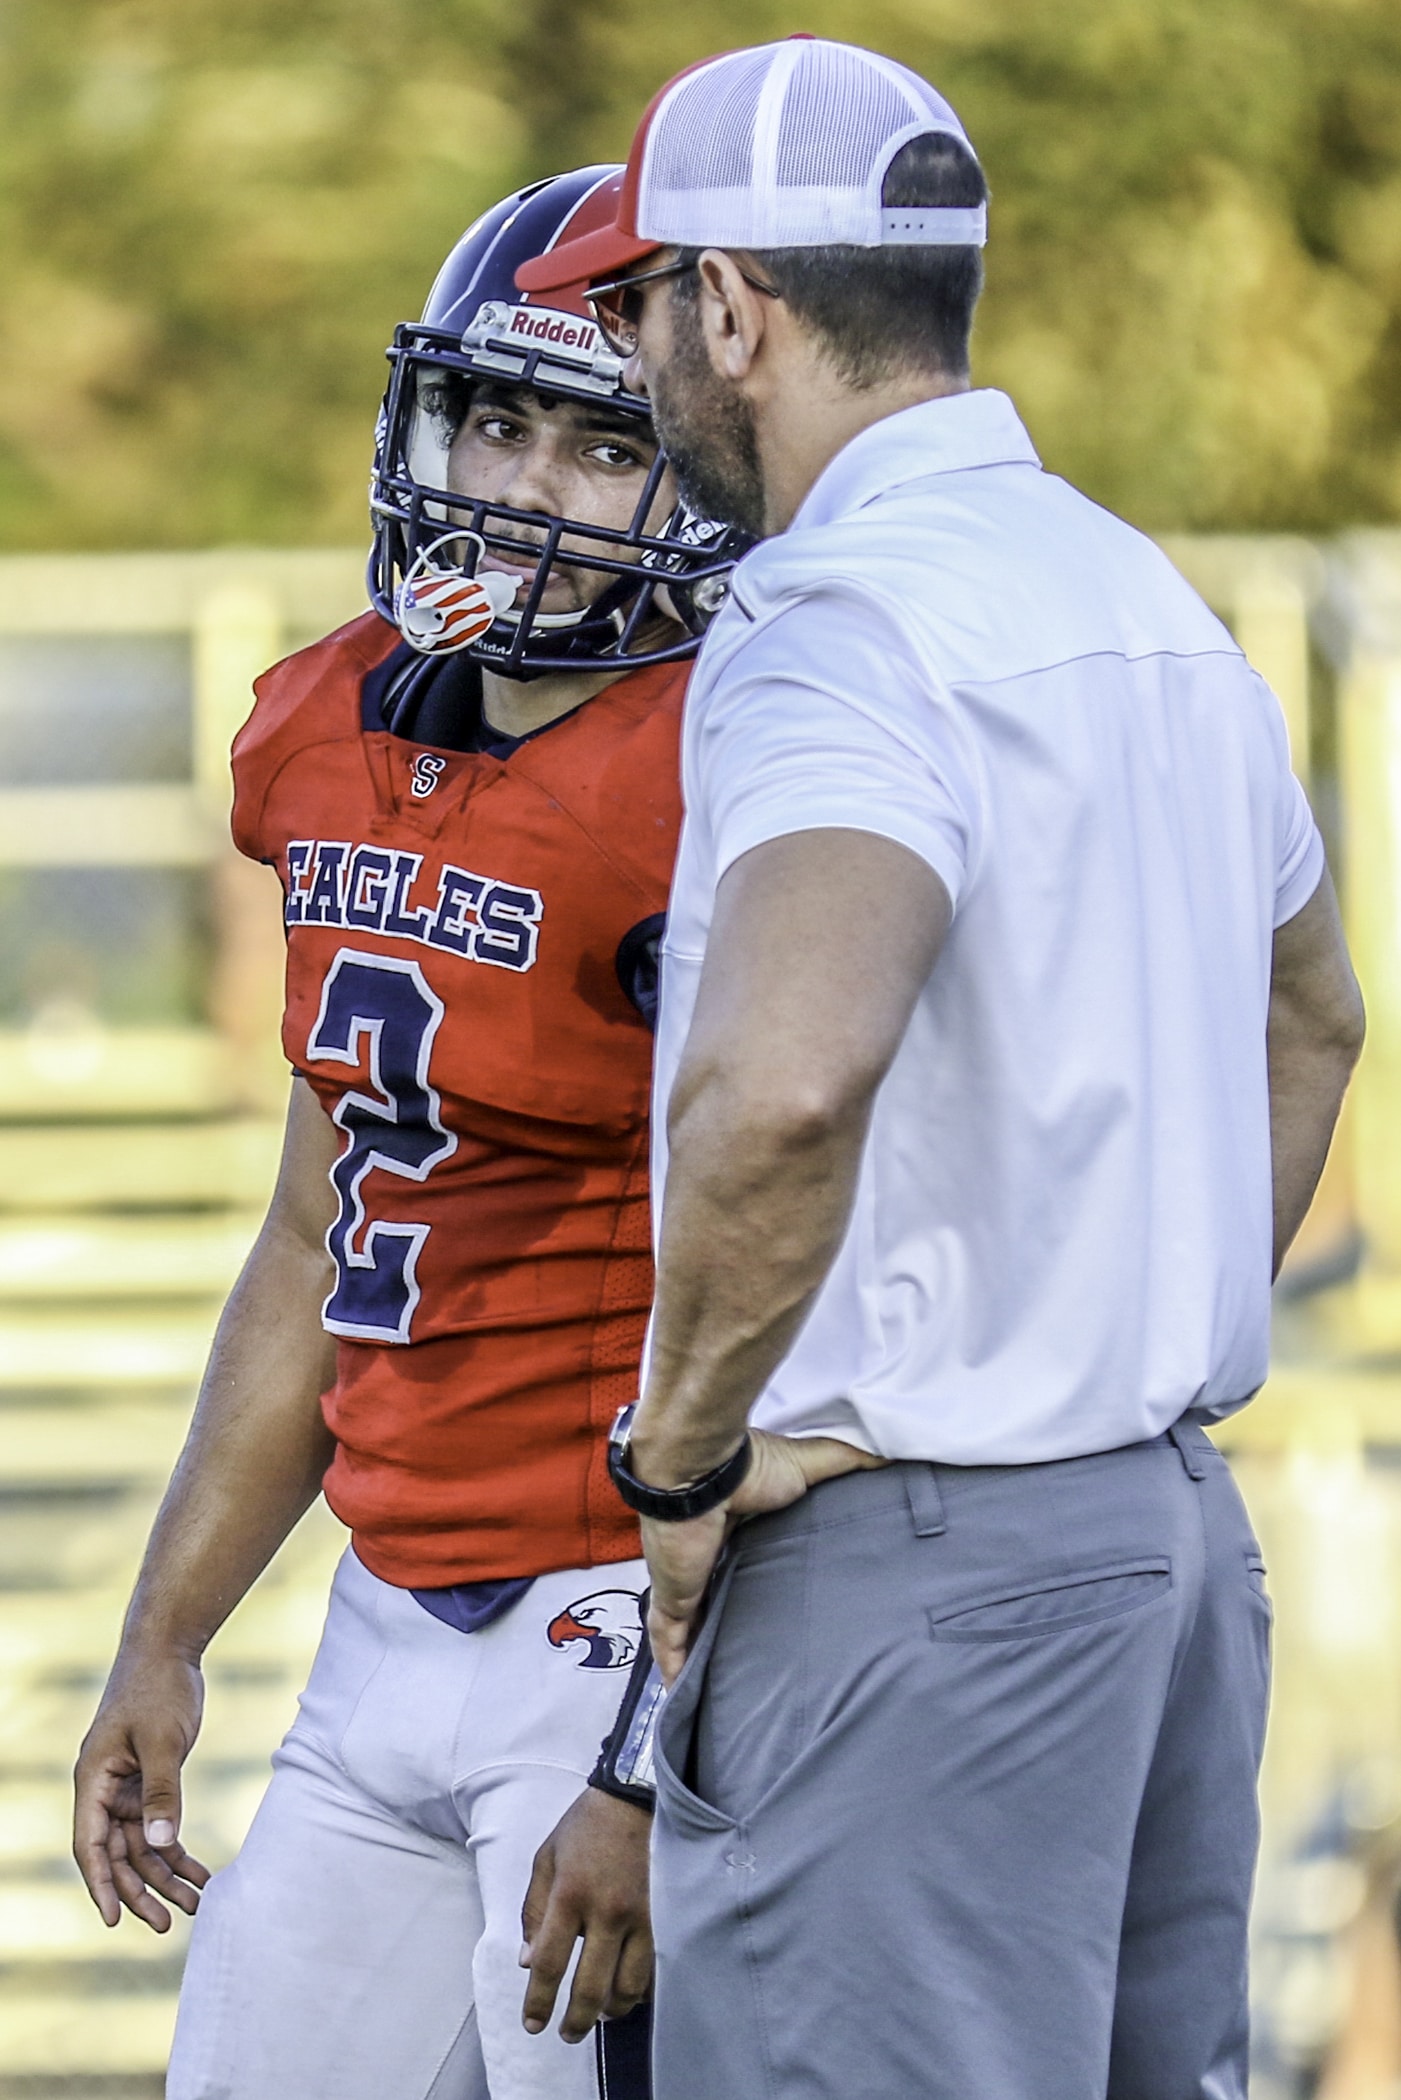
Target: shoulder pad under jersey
[[309, 698]]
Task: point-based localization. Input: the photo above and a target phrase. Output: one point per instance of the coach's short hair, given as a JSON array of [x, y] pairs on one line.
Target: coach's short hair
[[879, 311]]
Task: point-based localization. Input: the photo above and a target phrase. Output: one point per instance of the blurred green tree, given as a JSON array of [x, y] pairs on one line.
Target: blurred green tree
[[210, 219]]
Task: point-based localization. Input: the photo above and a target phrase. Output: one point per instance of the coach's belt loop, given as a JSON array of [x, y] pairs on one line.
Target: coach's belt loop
[[926, 1503], [1191, 1459]]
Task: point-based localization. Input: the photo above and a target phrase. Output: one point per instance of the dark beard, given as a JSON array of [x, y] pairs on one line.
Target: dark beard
[[706, 429]]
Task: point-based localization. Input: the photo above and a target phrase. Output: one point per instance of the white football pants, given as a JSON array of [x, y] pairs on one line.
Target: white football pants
[[363, 1945]]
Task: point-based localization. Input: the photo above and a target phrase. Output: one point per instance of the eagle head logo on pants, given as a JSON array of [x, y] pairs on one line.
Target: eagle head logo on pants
[[609, 1622]]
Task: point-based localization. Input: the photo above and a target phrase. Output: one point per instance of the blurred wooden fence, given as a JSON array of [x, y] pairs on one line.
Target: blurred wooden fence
[[141, 1092], [141, 1096]]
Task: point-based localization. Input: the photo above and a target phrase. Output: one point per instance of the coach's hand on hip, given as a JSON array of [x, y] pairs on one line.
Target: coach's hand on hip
[[681, 1557]]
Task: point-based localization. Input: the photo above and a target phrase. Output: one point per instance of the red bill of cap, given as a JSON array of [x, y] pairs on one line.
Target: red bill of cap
[[581, 260], [602, 237]]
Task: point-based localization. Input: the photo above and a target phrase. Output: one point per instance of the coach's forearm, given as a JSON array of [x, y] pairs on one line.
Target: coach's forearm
[[796, 1021], [255, 1455], [759, 1189]]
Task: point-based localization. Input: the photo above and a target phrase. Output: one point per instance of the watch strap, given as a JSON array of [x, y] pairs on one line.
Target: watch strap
[[672, 1505]]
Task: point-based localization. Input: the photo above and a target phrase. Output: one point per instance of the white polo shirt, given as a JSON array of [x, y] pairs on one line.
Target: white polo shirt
[[1062, 1229]]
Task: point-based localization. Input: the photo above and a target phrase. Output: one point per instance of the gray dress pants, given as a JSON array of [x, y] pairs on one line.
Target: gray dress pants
[[957, 1790]]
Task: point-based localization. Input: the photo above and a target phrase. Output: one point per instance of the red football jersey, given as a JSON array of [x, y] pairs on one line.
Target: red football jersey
[[453, 927]]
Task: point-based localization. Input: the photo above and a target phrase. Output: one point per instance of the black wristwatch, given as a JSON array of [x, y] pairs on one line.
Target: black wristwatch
[[671, 1505]]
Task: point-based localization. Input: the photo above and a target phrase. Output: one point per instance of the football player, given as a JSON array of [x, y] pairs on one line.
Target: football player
[[470, 795]]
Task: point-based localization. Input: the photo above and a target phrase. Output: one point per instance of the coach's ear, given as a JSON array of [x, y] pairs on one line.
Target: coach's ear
[[734, 316]]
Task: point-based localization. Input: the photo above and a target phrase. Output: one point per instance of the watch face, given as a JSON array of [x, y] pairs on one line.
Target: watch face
[[622, 1425]]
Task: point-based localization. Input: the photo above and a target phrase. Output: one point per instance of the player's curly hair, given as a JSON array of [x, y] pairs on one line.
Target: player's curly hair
[[879, 311], [447, 396]]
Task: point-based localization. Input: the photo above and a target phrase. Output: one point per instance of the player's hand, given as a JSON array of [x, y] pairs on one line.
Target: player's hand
[[681, 1557], [126, 1812], [589, 1883]]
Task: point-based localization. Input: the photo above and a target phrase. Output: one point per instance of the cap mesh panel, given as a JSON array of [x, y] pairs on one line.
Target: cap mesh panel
[[722, 168], [835, 123], [705, 140]]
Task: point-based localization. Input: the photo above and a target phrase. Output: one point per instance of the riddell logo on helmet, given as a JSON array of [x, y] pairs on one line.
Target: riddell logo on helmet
[[546, 324]]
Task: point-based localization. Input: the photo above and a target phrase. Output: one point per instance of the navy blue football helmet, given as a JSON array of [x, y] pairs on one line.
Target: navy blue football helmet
[[427, 542]]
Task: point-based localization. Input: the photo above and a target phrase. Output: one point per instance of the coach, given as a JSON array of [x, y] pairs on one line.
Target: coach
[[1006, 1017]]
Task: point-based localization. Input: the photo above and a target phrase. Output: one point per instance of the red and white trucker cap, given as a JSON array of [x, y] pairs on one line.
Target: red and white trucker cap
[[781, 146]]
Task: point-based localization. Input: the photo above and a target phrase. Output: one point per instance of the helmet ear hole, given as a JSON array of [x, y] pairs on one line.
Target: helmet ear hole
[[428, 439], [640, 599]]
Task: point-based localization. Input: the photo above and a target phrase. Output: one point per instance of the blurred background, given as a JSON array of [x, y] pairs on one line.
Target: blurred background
[[210, 220]]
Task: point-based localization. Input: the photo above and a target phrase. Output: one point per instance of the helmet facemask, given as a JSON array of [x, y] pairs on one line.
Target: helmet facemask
[[426, 571]]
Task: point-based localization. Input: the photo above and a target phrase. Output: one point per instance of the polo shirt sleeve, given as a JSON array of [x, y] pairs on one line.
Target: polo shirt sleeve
[[1300, 866], [1299, 857], [825, 721]]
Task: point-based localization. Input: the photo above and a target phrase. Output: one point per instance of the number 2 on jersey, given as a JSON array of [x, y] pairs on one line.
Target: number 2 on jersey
[[386, 1004]]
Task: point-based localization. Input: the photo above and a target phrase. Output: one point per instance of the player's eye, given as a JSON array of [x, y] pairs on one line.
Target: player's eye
[[610, 453], [499, 428]]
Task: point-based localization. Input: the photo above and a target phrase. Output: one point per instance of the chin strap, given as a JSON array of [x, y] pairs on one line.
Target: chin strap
[[625, 1767]]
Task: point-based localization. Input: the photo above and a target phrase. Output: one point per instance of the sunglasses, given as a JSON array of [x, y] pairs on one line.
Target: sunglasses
[[617, 305]]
